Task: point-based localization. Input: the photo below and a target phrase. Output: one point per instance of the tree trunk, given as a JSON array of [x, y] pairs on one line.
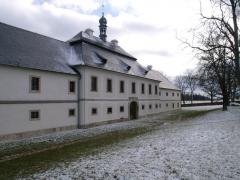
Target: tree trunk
[[211, 98]]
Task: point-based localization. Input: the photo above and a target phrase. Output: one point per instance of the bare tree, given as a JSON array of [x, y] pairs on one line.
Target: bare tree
[[191, 81], [207, 82], [180, 82]]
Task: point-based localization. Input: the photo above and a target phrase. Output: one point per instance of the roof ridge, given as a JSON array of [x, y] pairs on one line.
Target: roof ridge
[[45, 36]]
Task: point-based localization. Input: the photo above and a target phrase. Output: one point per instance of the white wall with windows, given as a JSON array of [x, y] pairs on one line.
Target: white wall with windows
[[33, 100]]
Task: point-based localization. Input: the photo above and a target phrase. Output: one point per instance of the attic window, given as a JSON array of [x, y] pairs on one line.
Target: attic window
[[98, 59], [125, 66]]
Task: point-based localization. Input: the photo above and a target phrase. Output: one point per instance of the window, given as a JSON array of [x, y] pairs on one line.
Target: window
[[71, 112], [143, 107], [150, 106], [109, 85], [156, 90], [160, 105], [143, 88], [173, 94], [34, 115], [121, 108], [156, 106], [177, 94], [121, 86], [35, 84], [94, 84], [173, 105], [150, 89], [94, 111], [178, 105], [160, 93], [166, 93], [72, 87], [166, 104], [133, 88], [109, 110]]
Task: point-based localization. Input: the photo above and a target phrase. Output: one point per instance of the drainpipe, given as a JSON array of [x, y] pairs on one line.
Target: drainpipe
[[78, 101]]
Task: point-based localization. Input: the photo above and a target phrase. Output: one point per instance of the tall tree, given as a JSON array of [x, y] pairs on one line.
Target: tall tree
[[180, 82]]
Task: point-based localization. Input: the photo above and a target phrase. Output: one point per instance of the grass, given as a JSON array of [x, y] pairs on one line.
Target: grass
[[67, 152]]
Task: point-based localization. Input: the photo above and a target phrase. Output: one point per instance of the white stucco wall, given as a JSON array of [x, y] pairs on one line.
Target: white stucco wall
[[53, 101], [103, 99]]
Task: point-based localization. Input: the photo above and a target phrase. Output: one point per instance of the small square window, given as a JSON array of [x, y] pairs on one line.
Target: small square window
[[121, 108], [34, 115], [94, 111], [109, 110], [71, 112], [150, 106], [35, 84], [72, 87], [143, 107]]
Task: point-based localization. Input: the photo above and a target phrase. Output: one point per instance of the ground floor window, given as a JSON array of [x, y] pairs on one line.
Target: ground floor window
[[150, 106], [173, 105], [94, 111], [109, 110], [121, 108], [143, 107], [34, 115], [71, 112]]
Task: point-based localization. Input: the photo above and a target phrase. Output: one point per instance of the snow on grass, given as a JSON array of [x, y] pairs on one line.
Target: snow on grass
[[206, 148]]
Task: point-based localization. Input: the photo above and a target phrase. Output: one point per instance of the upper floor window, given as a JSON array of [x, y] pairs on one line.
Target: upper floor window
[[156, 106], [150, 106], [133, 88], [34, 84], [173, 94], [150, 89], [72, 87], [143, 88], [156, 89], [166, 104], [166, 93], [109, 85], [121, 86], [94, 83], [177, 94], [143, 107]]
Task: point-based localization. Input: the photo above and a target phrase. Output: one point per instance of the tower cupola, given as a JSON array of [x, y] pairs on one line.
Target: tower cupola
[[103, 28]]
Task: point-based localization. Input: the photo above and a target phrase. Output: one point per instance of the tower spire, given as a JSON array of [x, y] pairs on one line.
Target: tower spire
[[103, 26]]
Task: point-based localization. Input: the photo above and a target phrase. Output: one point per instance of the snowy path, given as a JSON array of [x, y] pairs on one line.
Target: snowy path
[[206, 148]]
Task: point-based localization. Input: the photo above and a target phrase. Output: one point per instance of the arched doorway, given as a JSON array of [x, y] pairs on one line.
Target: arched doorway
[[133, 110]]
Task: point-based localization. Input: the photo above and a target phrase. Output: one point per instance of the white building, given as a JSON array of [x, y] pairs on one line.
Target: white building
[[48, 85]]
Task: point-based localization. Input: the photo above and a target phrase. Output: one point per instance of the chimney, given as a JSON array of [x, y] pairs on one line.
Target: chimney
[[149, 67], [89, 32], [114, 43]]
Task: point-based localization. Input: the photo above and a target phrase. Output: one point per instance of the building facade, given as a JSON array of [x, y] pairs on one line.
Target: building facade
[[49, 85]]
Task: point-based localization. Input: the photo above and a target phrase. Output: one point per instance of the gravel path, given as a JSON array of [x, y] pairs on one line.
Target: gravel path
[[207, 147]]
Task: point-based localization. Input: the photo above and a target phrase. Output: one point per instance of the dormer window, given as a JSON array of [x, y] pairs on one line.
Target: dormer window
[[125, 66], [98, 59]]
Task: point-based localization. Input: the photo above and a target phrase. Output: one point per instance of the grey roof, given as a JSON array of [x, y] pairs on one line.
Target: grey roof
[[22, 48], [165, 82], [83, 36]]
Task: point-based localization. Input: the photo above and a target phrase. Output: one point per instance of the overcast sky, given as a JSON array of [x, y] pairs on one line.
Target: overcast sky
[[148, 29]]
